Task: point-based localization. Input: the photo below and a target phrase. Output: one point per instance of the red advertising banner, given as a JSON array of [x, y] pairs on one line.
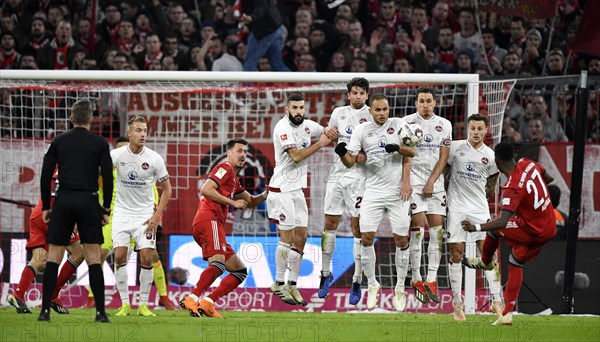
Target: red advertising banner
[[523, 8]]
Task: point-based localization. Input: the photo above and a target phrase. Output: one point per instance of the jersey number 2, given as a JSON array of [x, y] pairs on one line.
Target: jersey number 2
[[531, 186]]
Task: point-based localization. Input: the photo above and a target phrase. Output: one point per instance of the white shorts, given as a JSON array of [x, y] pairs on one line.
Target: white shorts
[[343, 193], [375, 205], [436, 205], [454, 228], [126, 226], [288, 209]]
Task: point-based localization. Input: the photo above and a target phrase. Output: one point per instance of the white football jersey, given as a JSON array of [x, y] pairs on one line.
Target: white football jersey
[[288, 175], [346, 119], [136, 174], [383, 170], [437, 132], [470, 169]]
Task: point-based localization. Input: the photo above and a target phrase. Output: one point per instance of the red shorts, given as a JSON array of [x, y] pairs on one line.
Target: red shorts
[[525, 244], [210, 236], [38, 233]]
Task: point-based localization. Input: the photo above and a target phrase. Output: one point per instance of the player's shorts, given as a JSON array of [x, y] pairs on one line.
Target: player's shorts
[[343, 193], [124, 227], [525, 244], [38, 230], [454, 228], [210, 236], [375, 205], [287, 209], [436, 205], [75, 207]]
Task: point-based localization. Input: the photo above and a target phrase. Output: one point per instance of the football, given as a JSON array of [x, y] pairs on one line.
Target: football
[[410, 134]]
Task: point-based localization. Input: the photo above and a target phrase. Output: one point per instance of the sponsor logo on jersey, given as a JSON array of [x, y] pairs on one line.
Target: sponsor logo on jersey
[[362, 120], [220, 173], [446, 142], [132, 175], [428, 138], [281, 217], [382, 143], [438, 128], [283, 137], [304, 144], [349, 129], [413, 206], [307, 130], [470, 167], [145, 166], [506, 201], [484, 160]]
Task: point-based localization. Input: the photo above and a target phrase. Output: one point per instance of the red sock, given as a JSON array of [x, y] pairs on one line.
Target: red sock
[[27, 277], [513, 287], [489, 248], [228, 284], [206, 279], [66, 272]]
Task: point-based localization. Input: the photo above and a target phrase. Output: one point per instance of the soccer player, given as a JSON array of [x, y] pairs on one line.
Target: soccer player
[[38, 247], [345, 187], [428, 199], [286, 203], [473, 176], [385, 192], [107, 246], [221, 189], [138, 168], [526, 222]]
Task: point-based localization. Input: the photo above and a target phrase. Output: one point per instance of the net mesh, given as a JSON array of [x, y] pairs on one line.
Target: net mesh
[[189, 124]]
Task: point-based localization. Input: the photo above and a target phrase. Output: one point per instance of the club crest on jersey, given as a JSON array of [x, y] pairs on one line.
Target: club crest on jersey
[[484, 160], [349, 129], [281, 217], [382, 143], [413, 206], [283, 137], [428, 138], [145, 166], [307, 130], [470, 167], [132, 175], [220, 173], [362, 120], [438, 128], [446, 142], [390, 130]]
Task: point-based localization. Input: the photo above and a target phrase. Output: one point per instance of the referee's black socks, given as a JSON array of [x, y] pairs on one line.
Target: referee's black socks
[[50, 275], [97, 285]]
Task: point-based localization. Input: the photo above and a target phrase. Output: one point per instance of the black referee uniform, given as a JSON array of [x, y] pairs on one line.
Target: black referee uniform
[[79, 155]]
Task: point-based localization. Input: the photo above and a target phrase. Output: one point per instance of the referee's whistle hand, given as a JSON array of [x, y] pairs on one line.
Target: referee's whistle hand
[[46, 215]]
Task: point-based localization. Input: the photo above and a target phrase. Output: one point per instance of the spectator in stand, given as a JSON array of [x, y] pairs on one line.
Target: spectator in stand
[[188, 33], [509, 133], [304, 15], [126, 41], [502, 31], [54, 16], [511, 64], [402, 65], [264, 64], [38, 36], [444, 53], [120, 60], [171, 47], [307, 63], [419, 25], [440, 17], [9, 57], [594, 66], [345, 10], [207, 31], [464, 61], [88, 63], [151, 53], [228, 24], [292, 55], [108, 29], [107, 61], [323, 42], [595, 132], [59, 53], [535, 130], [168, 63], [357, 44], [490, 48], [83, 36], [388, 17], [130, 9], [8, 24], [302, 29], [517, 30], [176, 14], [339, 63], [154, 65], [28, 62], [556, 63], [266, 34], [226, 61], [77, 59], [18, 9], [341, 25], [532, 56], [359, 64], [552, 130], [468, 37]]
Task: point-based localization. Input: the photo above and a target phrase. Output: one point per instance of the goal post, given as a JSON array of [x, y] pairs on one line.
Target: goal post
[[191, 115]]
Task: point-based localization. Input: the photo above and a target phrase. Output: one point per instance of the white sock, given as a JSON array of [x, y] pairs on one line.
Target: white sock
[[455, 273], [402, 257], [357, 278], [327, 246], [367, 260], [415, 243], [434, 252], [493, 278], [121, 279], [281, 260], [194, 297], [146, 278], [295, 261]]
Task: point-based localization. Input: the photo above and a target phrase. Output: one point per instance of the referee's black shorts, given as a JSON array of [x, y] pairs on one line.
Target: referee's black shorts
[[75, 207]]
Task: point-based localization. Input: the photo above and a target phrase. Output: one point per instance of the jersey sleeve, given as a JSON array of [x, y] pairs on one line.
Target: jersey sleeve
[[355, 141], [452, 151], [161, 170], [113, 156], [493, 168], [285, 137], [316, 130], [333, 120], [221, 174], [447, 134], [511, 198]]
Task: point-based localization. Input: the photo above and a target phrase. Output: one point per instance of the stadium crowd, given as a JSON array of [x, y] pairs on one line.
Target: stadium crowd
[[334, 36]]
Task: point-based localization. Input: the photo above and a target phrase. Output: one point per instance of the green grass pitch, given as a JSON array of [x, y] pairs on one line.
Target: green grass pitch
[[293, 326]]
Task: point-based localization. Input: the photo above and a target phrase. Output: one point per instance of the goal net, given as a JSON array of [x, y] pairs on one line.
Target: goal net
[[190, 118]]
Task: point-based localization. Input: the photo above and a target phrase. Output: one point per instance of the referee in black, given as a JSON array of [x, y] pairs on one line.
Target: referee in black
[[79, 155]]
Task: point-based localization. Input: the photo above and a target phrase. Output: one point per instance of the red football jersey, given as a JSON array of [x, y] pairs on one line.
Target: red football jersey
[[37, 211], [228, 186], [526, 194]]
